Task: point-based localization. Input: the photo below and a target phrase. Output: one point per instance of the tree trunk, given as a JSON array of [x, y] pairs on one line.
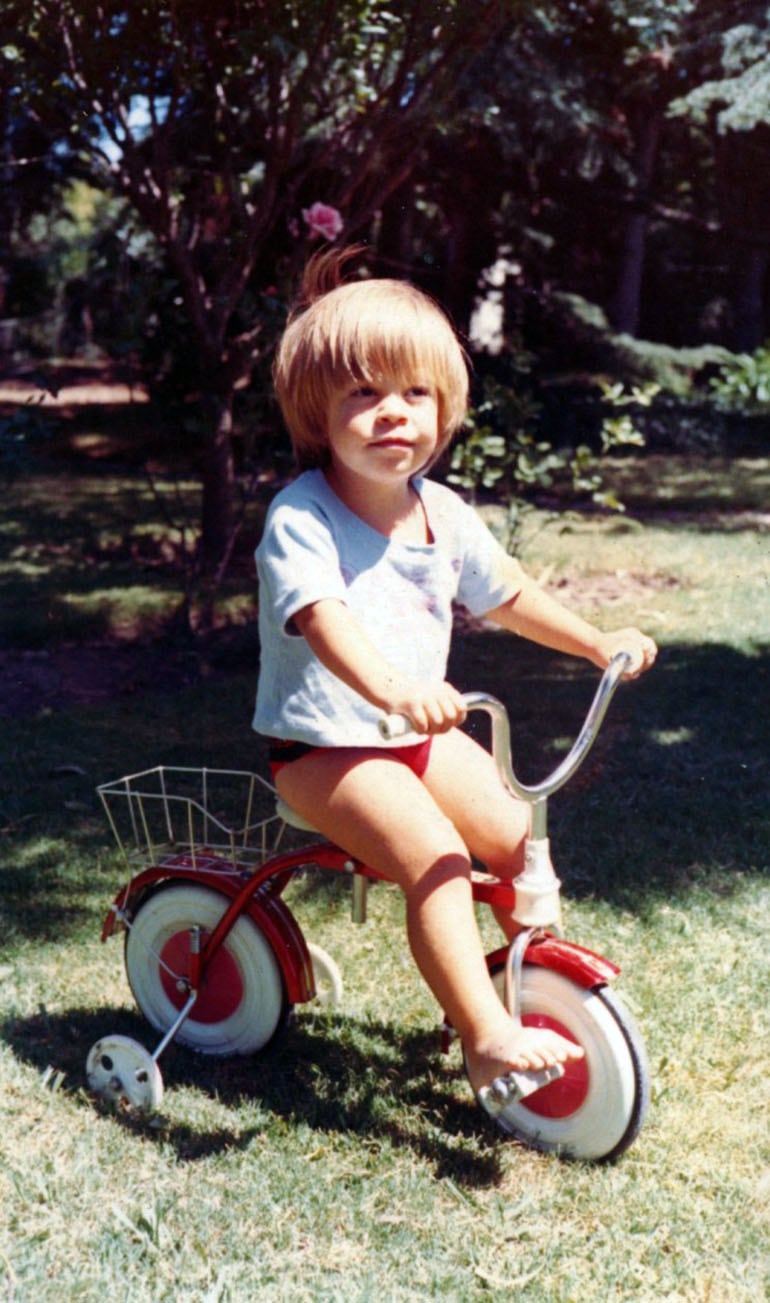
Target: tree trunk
[[218, 479], [751, 265], [625, 309]]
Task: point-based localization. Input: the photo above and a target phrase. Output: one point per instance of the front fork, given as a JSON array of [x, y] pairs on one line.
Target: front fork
[[540, 948], [514, 964]]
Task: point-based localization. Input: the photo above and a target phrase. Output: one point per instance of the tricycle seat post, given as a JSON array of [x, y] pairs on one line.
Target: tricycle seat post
[[360, 892]]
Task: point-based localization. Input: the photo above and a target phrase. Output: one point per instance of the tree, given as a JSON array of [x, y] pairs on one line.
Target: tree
[[731, 99], [31, 170], [223, 124], [581, 99], [580, 168]]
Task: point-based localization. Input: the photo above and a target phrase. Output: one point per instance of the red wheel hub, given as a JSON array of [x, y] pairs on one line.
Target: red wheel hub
[[567, 1095], [221, 989]]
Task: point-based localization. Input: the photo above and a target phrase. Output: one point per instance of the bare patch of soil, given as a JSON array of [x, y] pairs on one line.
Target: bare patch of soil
[[71, 385], [588, 594], [592, 592]]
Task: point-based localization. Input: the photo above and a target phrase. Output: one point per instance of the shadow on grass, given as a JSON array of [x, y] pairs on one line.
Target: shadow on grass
[[675, 790], [674, 793], [329, 1072]]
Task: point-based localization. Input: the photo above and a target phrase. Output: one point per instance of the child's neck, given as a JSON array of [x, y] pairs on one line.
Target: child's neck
[[393, 510]]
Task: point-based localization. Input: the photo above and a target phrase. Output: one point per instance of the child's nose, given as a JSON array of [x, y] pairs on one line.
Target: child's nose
[[393, 408]]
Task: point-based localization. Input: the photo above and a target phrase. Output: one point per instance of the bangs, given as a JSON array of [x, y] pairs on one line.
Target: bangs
[[384, 329], [364, 331]]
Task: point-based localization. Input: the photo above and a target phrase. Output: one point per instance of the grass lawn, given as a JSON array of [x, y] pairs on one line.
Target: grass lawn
[[348, 1161]]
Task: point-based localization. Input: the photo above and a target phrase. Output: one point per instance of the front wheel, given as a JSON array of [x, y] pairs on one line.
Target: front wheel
[[595, 1111], [241, 1000]]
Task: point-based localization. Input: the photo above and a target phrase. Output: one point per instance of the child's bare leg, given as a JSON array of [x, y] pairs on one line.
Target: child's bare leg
[[382, 814], [463, 779]]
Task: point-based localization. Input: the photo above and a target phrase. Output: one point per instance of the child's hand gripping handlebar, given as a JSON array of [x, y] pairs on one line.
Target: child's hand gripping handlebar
[[393, 726]]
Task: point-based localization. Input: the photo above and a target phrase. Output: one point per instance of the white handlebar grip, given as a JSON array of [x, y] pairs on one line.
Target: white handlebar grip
[[392, 726]]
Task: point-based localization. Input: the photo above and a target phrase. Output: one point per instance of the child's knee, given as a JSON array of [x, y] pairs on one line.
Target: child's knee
[[448, 873]]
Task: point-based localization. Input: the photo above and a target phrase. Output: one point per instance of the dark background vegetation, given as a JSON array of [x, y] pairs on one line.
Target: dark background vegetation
[[594, 171]]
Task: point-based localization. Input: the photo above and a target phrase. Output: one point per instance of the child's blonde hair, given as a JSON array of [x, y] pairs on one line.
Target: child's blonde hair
[[358, 331]]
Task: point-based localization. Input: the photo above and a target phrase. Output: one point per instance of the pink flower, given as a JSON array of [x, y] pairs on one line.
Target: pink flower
[[323, 220]]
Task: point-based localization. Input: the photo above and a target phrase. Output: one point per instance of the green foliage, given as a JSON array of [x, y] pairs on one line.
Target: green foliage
[[738, 99], [498, 447], [744, 381], [224, 127], [570, 324], [209, 132], [501, 449]]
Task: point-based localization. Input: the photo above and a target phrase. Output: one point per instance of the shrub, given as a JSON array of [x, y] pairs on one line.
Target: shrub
[[568, 327], [743, 381], [502, 451]]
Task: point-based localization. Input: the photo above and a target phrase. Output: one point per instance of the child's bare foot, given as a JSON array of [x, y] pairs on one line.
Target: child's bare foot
[[516, 1048]]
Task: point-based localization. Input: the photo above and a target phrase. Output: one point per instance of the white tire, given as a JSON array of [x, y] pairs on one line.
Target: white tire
[[242, 999], [596, 1109]]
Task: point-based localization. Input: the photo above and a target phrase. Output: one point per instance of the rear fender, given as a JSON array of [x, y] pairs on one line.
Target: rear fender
[[268, 911]]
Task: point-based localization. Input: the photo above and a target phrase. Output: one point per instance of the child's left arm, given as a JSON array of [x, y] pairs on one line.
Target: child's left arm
[[534, 614]]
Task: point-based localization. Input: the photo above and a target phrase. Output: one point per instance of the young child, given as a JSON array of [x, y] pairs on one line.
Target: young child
[[360, 563]]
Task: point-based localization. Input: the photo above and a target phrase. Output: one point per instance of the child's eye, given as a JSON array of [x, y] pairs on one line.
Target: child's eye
[[419, 391], [363, 391]]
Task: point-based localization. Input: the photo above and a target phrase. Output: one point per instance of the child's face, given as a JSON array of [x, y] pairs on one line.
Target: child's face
[[383, 431]]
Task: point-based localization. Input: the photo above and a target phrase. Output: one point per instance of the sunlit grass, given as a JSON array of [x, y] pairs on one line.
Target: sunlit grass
[[663, 482], [680, 582], [128, 610], [74, 549], [348, 1161]]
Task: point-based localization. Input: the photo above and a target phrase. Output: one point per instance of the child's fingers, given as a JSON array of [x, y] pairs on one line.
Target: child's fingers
[[437, 710], [642, 650]]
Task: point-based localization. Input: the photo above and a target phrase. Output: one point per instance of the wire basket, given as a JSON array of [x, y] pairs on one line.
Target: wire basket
[[224, 815]]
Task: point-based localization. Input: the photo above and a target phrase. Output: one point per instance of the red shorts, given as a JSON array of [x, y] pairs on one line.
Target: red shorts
[[415, 756]]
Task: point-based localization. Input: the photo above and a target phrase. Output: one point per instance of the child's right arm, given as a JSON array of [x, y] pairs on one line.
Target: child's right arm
[[337, 639]]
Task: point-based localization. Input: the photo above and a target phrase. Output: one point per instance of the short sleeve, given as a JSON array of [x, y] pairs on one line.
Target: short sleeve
[[487, 575], [297, 562]]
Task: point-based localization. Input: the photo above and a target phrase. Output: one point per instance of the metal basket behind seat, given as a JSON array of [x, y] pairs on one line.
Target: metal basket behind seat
[[225, 814]]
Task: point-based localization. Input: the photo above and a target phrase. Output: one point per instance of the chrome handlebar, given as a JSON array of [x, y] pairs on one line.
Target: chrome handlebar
[[501, 735], [398, 726]]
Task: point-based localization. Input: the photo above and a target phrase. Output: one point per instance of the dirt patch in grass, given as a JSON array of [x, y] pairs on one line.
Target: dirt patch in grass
[[592, 592], [70, 384]]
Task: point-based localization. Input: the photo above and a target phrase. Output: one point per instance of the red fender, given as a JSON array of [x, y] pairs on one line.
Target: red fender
[[583, 967], [269, 913]]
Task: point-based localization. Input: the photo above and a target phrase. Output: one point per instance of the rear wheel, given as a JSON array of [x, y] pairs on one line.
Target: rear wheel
[[596, 1109], [242, 999]]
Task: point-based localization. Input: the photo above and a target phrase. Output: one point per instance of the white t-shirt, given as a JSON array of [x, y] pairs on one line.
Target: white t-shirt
[[314, 547]]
